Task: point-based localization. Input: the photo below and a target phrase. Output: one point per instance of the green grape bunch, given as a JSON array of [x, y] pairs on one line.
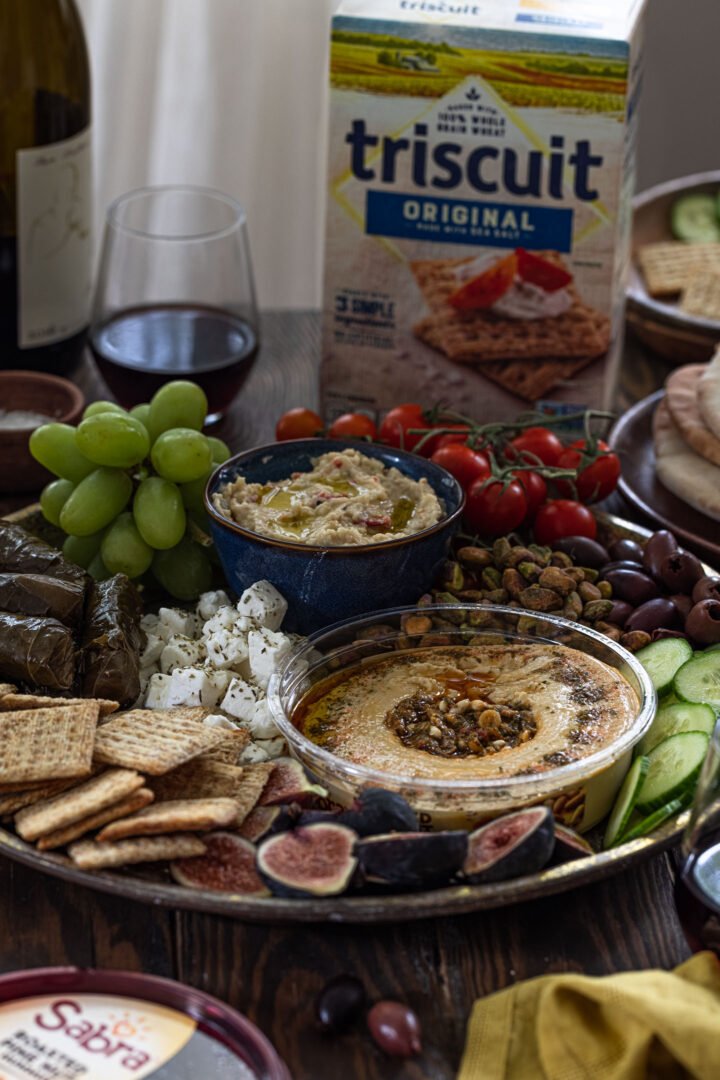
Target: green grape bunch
[[129, 484]]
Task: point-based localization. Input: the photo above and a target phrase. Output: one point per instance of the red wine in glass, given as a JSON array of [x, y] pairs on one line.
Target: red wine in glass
[[139, 349]]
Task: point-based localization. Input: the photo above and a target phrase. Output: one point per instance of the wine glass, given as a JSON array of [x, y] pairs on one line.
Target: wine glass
[[698, 886], [175, 296]]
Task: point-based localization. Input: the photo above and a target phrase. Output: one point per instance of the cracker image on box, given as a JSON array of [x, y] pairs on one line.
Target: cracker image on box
[[479, 185]]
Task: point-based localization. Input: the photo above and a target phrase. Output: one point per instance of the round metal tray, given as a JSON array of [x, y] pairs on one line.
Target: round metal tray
[[153, 885]]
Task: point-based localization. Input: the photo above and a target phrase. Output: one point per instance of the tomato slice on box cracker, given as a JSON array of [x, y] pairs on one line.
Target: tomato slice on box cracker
[[483, 291], [541, 272]]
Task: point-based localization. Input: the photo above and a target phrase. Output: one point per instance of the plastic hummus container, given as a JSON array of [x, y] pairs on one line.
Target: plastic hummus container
[[75, 1024]]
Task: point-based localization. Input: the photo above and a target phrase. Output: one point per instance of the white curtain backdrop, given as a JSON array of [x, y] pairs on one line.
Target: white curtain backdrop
[[229, 94]]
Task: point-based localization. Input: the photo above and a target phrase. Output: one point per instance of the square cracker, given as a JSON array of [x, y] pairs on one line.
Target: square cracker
[[155, 740], [47, 744], [229, 750], [137, 801], [89, 855], [11, 803], [70, 806], [208, 779], [701, 296], [11, 701], [176, 815], [667, 266]]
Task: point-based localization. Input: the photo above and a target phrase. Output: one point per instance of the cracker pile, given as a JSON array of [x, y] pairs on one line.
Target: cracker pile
[[691, 272], [686, 436], [117, 788]]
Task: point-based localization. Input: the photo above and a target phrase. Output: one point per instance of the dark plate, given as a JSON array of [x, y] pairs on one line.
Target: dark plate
[[632, 439]]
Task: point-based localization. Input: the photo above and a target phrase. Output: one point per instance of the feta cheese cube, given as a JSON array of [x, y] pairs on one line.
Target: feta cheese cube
[[262, 725], [176, 621], [240, 701], [211, 602], [263, 603], [186, 685], [223, 620], [149, 623], [253, 753], [217, 721], [226, 650], [158, 691], [215, 686], [272, 748], [180, 652], [266, 651], [153, 648]]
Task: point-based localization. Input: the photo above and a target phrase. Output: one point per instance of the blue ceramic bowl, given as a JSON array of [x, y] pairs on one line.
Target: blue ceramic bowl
[[324, 584]]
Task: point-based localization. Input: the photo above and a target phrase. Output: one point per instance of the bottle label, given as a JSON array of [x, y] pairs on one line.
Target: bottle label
[[54, 240]]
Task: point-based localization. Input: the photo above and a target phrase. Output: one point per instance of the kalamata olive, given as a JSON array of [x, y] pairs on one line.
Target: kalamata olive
[[622, 564], [683, 603], [583, 551], [707, 588], [631, 585], [703, 622], [658, 547], [619, 613], [626, 549], [339, 1002], [663, 632], [652, 615], [680, 572], [395, 1028]]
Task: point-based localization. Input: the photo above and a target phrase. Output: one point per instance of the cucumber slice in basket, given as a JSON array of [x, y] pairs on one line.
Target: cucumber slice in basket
[[673, 769], [625, 801], [661, 659], [674, 718], [694, 218], [651, 822], [699, 678]]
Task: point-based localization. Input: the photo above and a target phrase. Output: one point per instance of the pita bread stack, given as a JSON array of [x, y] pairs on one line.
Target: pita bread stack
[[686, 436]]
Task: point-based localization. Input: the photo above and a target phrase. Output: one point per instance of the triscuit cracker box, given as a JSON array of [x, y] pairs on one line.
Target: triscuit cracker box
[[480, 178]]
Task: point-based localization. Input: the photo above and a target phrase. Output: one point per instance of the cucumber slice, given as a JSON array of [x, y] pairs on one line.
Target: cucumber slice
[[699, 678], [648, 824], [625, 801], [661, 659], [672, 719], [694, 218], [674, 767]]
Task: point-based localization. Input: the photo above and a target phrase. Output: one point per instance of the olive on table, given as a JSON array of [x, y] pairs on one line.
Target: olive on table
[[395, 1028], [652, 615], [707, 588], [658, 547], [680, 571], [624, 564], [339, 1002], [626, 549], [619, 613], [703, 622], [583, 551], [631, 585]]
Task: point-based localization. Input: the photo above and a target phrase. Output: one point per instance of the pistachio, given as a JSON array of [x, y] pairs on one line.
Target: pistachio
[[590, 574], [471, 596], [597, 609], [529, 570], [373, 633], [491, 578], [513, 582], [561, 559], [588, 591], [635, 639], [536, 598], [608, 629], [435, 639], [520, 554], [451, 576], [481, 617], [475, 557], [501, 549], [575, 572], [541, 553], [414, 625], [496, 596], [552, 577], [573, 606], [605, 589]]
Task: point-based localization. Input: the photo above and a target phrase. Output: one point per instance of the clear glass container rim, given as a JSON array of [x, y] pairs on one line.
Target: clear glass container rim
[[116, 205], [563, 774]]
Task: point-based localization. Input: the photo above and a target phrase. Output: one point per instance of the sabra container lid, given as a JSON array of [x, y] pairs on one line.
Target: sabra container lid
[[74, 1024]]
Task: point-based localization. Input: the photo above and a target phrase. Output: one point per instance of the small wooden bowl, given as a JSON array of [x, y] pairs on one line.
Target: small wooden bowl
[[32, 391], [660, 324]]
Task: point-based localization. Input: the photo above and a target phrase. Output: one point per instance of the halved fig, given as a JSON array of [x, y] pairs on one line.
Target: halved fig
[[412, 859], [569, 845], [379, 811], [511, 846], [312, 860], [228, 865], [289, 783], [259, 822]]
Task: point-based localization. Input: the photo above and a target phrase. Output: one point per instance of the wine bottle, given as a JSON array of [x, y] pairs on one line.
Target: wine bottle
[[45, 185]]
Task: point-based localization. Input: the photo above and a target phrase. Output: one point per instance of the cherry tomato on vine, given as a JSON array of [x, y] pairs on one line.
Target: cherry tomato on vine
[[298, 424], [563, 517], [352, 425], [495, 509], [450, 439], [534, 486], [598, 479], [463, 462], [541, 442], [395, 426]]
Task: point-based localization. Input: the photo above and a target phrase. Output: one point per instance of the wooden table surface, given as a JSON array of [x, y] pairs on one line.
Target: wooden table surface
[[273, 973]]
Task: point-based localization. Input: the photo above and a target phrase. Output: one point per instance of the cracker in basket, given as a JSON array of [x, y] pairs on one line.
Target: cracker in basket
[[229, 750], [200, 779], [669, 265], [12, 701], [178, 815], [137, 801], [77, 803], [11, 803], [701, 295], [155, 740], [47, 744], [89, 855]]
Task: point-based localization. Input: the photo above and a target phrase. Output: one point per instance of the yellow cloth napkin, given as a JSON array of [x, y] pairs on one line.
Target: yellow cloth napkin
[[637, 1025]]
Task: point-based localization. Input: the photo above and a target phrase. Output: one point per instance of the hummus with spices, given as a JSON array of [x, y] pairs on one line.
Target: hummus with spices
[[472, 712], [346, 499]]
